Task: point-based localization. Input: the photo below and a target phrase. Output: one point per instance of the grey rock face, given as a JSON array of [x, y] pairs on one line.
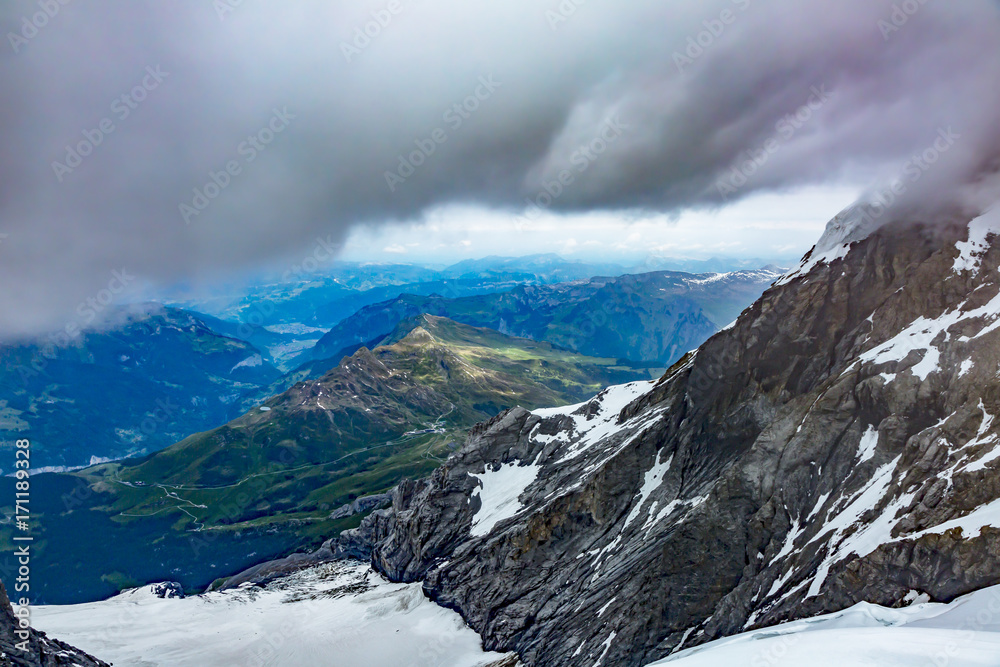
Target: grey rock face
[[838, 444], [42, 651], [168, 589], [361, 505], [267, 572]]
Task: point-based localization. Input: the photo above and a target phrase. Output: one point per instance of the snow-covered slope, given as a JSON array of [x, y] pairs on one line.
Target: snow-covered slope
[[965, 633], [340, 615]]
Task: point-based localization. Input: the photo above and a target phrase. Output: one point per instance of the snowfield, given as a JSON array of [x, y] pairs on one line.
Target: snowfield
[[345, 615], [965, 633], [339, 615]]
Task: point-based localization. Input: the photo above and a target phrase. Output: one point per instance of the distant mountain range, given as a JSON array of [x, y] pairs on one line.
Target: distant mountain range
[[285, 315], [651, 318]]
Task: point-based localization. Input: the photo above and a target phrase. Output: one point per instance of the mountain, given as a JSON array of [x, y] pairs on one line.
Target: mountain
[[648, 318], [838, 444], [285, 317], [367, 275], [267, 483], [152, 377], [335, 311], [710, 265], [544, 268]]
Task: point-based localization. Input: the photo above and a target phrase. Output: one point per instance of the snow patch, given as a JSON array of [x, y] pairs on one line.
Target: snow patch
[[600, 612], [866, 448], [814, 259], [917, 336], [819, 506], [972, 524], [964, 633], [653, 479], [249, 362], [863, 541], [708, 280], [970, 253], [368, 622], [607, 647], [789, 545], [981, 438], [591, 430], [499, 492]]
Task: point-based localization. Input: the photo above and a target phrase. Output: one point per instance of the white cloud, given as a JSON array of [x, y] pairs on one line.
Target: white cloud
[[768, 226]]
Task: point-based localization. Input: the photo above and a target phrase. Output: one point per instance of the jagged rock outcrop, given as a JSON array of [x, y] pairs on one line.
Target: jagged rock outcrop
[[168, 589], [837, 444], [361, 505], [42, 651]]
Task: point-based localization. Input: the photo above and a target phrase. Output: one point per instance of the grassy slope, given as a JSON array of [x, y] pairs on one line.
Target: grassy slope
[[323, 443]]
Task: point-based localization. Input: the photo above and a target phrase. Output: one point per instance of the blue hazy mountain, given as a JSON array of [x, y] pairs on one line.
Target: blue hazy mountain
[[149, 378], [651, 318]]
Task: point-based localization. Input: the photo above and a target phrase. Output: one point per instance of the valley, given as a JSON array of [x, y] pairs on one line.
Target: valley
[[265, 484]]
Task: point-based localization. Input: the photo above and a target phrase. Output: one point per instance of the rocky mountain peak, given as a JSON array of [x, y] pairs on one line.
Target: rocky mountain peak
[[837, 444]]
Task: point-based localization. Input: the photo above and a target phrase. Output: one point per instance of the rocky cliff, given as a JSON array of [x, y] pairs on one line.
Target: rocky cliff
[[837, 444]]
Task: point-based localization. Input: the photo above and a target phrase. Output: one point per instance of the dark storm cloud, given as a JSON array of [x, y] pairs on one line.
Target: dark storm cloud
[[227, 134]]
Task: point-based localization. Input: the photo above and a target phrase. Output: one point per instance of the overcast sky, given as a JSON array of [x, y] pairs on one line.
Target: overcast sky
[[117, 114]]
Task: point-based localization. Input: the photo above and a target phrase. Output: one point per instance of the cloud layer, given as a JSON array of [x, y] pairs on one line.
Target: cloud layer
[[221, 135]]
